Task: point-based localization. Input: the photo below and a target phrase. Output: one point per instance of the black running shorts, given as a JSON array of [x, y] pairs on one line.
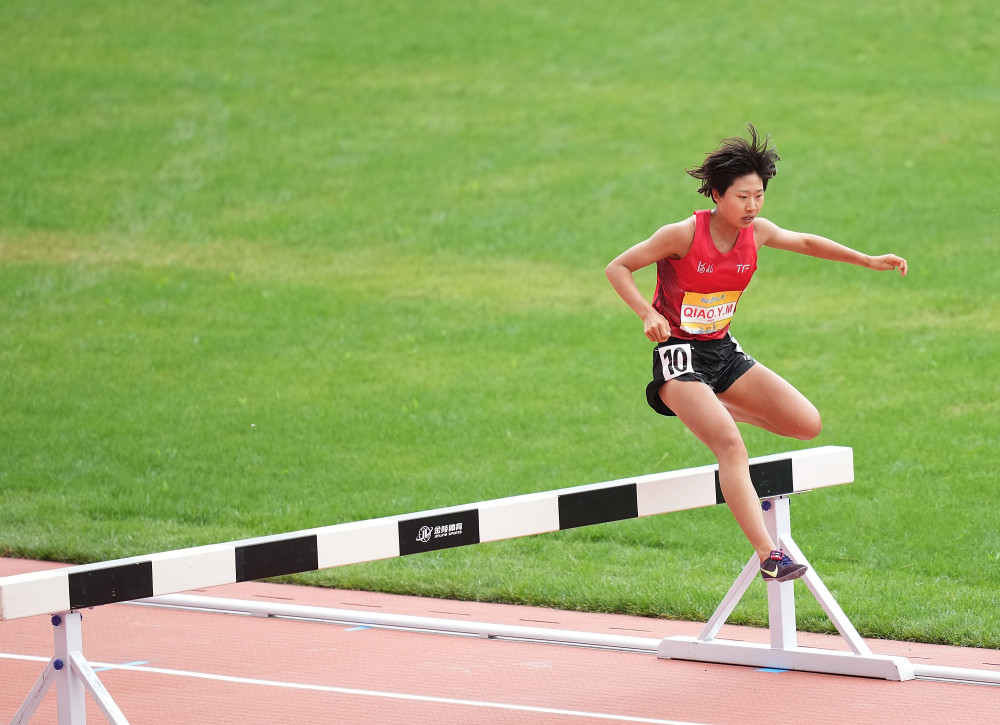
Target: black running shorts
[[717, 363]]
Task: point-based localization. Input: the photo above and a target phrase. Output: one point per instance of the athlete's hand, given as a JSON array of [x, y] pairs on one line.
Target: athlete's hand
[[656, 327], [887, 262]]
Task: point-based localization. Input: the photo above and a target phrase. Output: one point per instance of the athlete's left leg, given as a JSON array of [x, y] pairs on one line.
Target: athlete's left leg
[[763, 398]]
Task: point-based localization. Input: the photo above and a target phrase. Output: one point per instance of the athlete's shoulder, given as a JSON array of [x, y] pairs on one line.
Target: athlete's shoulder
[[674, 240], [764, 230], [760, 224], [684, 224]]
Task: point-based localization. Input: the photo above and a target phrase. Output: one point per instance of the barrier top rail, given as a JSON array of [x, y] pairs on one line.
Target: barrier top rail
[[140, 577]]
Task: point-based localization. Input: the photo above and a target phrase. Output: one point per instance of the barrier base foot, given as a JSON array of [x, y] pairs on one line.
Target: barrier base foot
[[783, 651], [806, 659]]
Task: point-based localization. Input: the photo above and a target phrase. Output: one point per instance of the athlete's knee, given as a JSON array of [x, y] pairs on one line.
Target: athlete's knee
[[728, 446], [808, 426]]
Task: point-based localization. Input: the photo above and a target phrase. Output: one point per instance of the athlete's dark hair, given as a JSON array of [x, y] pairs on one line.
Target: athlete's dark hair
[[736, 157]]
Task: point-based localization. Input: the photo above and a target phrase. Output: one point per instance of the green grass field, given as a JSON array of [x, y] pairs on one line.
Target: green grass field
[[267, 267]]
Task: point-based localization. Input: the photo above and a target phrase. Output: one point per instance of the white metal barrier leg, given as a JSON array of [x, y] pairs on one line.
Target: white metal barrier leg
[[783, 651], [780, 595], [70, 693], [73, 676], [732, 598], [35, 696]]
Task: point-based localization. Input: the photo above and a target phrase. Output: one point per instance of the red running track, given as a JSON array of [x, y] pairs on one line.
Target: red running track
[[168, 666]]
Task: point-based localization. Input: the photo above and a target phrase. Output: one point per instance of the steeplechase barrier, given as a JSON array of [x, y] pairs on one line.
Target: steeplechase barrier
[[62, 593]]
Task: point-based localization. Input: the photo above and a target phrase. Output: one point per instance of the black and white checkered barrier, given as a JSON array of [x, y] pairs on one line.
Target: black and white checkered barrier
[[62, 590]]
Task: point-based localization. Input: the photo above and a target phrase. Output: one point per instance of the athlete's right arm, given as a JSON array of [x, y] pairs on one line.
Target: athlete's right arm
[[672, 240]]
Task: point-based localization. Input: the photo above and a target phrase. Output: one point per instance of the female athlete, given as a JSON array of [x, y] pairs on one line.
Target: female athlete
[[700, 374]]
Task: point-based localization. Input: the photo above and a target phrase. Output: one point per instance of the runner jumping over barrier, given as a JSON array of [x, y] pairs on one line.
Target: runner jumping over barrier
[[700, 373], [64, 592]]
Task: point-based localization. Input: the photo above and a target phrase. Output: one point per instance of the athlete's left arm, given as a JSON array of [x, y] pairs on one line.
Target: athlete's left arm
[[769, 234]]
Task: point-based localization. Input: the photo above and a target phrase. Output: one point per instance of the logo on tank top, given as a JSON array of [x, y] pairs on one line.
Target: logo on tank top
[[705, 268]]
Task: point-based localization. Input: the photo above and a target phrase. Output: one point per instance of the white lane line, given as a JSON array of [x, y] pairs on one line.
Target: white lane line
[[118, 667], [370, 693]]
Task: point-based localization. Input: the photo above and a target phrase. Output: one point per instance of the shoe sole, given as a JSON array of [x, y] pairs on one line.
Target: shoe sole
[[792, 576]]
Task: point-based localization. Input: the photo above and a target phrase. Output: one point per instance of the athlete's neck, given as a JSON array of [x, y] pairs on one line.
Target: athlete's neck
[[724, 234]]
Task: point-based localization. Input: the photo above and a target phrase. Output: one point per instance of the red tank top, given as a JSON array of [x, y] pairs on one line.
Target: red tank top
[[698, 293]]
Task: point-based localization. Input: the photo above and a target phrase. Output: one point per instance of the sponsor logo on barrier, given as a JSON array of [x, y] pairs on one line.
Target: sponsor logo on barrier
[[426, 533], [443, 531]]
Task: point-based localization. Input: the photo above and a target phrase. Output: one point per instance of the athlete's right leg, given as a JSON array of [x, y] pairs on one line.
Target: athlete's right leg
[[704, 414], [763, 398]]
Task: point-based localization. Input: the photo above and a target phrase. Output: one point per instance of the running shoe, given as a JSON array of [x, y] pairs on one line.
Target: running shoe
[[780, 568]]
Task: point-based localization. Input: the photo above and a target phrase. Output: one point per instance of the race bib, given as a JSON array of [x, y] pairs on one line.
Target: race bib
[[676, 360], [704, 313]]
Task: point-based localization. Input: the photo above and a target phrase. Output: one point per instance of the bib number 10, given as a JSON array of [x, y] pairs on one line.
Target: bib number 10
[[676, 360]]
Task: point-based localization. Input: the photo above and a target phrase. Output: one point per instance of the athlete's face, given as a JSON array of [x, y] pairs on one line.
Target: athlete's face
[[742, 201]]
